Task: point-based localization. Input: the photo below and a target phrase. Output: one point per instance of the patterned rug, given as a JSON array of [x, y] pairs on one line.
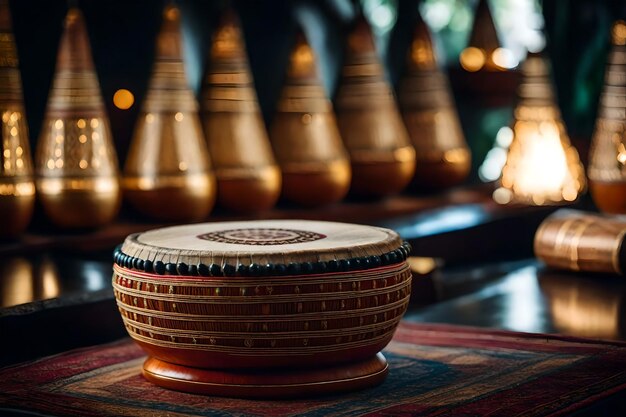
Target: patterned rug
[[435, 370]]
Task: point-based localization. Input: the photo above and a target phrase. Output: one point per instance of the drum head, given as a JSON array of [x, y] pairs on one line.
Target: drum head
[[263, 242]]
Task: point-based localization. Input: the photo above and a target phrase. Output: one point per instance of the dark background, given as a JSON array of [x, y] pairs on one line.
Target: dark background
[[122, 34]]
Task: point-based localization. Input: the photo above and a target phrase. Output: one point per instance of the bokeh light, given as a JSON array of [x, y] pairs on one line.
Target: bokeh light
[[123, 99]]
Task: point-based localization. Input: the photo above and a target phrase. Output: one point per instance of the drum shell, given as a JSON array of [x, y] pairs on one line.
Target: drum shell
[[263, 322]]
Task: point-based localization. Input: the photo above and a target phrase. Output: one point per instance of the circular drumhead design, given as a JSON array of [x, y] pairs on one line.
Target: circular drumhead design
[[262, 236], [261, 241]]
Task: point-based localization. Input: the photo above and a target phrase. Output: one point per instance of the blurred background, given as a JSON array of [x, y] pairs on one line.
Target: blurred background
[[574, 34]]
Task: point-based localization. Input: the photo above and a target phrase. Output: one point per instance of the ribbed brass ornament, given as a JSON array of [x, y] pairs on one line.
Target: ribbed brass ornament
[[542, 166], [305, 137], [607, 161], [77, 171], [429, 113], [581, 241], [247, 175], [383, 160], [17, 186], [167, 174]]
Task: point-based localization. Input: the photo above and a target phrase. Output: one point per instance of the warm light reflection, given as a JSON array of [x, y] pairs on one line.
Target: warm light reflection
[[58, 185], [63, 156], [582, 307], [302, 60], [472, 59], [420, 265], [49, 279], [227, 42], [542, 167], [16, 285], [456, 156], [14, 161], [422, 53], [197, 181], [619, 33], [22, 282], [123, 99], [172, 13], [26, 188]]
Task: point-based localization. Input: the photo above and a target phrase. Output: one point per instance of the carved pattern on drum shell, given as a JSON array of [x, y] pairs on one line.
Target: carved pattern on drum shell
[[350, 317]]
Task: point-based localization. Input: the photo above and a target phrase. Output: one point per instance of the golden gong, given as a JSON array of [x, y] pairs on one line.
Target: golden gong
[[168, 175], [77, 172], [383, 160], [305, 137], [247, 175]]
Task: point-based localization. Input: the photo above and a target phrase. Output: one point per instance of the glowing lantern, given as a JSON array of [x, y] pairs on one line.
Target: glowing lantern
[[542, 166]]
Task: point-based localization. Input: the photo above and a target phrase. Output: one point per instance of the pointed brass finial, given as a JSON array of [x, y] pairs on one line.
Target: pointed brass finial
[[383, 160], [483, 49], [542, 166], [167, 174], [17, 186], [77, 172], [442, 156], [607, 157], [248, 177], [305, 137]]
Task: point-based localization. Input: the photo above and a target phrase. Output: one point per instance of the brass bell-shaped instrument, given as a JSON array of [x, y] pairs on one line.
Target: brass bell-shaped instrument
[[167, 174], [77, 171], [607, 159], [17, 183], [427, 106], [248, 177], [305, 137], [383, 160]]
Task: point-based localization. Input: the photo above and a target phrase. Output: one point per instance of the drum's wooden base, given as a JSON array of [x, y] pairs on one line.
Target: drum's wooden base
[[273, 384]]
